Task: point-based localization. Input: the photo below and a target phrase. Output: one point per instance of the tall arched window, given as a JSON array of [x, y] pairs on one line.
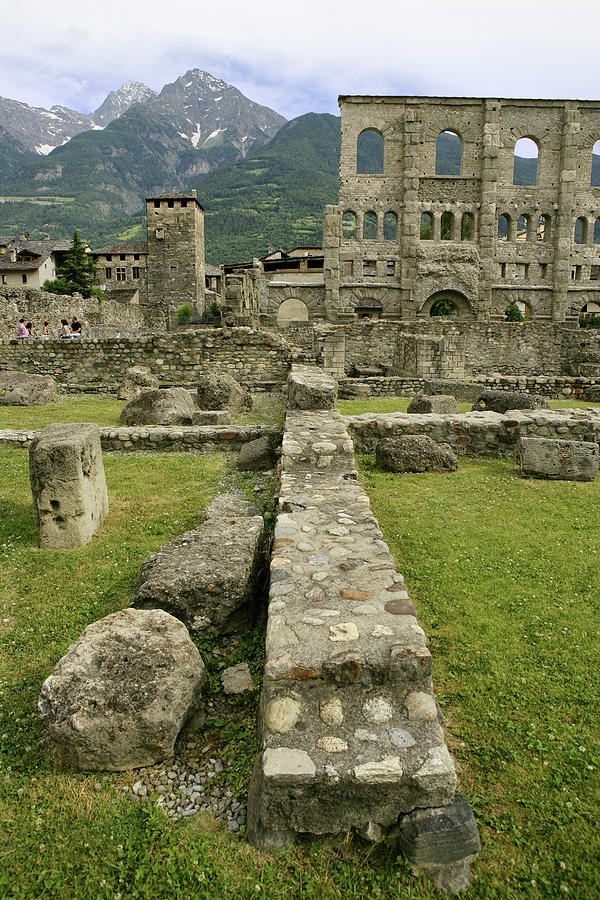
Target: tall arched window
[[503, 227], [544, 228], [466, 227], [597, 231], [446, 226], [448, 151], [595, 179], [522, 228], [370, 226], [349, 225], [426, 229], [525, 161], [581, 230], [369, 153], [390, 226]]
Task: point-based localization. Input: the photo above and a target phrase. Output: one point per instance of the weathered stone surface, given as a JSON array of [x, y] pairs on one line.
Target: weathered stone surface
[[237, 679], [230, 506], [310, 388], [122, 692], [502, 401], [282, 714], [257, 456], [222, 391], [21, 389], [558, 460], [209, 577], [434, 403], [68, 485], [137, 379], [442, 836], [415, 453], [173, 406], [354, 391], [211, 417]]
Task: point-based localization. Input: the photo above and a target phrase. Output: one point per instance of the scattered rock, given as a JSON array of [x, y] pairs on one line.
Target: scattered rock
[[122, 692], [558, 460], [222, 391], [137, 380], [21, 389], [311, 388], [435, 403], [211, 417], [257, 456], [173, 406], [502, 401], [237, 679], [68, 485], [415, 453]]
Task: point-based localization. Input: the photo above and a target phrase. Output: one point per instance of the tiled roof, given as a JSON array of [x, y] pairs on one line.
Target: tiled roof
[[123, 247], [212, 270]]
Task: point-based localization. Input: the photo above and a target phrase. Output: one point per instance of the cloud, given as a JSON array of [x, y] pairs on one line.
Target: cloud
[[299, 58]]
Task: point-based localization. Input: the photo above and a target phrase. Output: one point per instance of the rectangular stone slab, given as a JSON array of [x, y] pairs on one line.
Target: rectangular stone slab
[[68, 485]]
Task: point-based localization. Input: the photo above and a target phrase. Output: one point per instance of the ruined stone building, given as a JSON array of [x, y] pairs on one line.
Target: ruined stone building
[[412, 230]]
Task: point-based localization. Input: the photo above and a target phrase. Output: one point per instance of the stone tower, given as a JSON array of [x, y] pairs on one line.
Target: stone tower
[[176, 266]]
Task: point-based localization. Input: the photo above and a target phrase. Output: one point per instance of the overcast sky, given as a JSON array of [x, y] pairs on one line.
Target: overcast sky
[[297, 58]]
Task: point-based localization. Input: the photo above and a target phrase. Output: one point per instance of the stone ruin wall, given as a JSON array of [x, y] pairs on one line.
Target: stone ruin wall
[[554, 288], [36, 306]]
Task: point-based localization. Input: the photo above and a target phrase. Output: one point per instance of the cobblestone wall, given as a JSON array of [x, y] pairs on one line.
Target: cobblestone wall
[[250, 356], [553, 386]]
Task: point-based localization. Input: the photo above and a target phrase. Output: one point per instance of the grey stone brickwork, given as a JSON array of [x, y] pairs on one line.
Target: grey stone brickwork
[[539, 263]]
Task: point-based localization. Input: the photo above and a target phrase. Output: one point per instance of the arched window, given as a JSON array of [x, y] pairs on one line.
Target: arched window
[[522, 228], [369, 153], [544, 228], [349, 225], [446, 226], [443, 307], [525, 161], [370, 226], [595, 179], [466, 227], [581, 228], [426, 231], [292, 310], [503, 227], [448, 150], [597, 231], [390, 226]]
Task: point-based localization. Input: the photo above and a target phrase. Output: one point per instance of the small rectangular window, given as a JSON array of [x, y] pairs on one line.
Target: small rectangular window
[[369, 268], [575, 273], [502, 270], [173, 270], [183, 204], [160, 233], [135, 271], [157, 204], [136, 256], [121, 273], [108, 257], [4, 279], [594, 270], [24, 278], [122, 257], [170, 204], [543, 270], [390, 267], [522, 271], [108, 273]]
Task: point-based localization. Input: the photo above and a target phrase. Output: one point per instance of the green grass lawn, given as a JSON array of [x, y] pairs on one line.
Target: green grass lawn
[[504, 573], [400, 404]]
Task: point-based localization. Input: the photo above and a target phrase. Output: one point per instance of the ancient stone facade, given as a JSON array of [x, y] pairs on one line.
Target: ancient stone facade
[[403, 237], [176, 264]]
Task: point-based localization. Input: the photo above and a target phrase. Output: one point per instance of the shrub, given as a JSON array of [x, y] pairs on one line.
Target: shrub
[[184, 312], [512, 313]]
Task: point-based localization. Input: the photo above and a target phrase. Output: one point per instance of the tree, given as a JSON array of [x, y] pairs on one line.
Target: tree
[[77, 272], [512, 313], [442, 307]]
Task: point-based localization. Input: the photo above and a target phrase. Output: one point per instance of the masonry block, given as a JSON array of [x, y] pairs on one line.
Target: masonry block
[[558, 460]]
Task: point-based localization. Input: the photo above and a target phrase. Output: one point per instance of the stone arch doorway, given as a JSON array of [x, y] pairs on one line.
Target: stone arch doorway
[[292, 310], [447, 305]]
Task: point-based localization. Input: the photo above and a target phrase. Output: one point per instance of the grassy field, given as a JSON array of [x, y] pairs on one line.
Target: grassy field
[[105, 409], [505, 576], [400, 404]]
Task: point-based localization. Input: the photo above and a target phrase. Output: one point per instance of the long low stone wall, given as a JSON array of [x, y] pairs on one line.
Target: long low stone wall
[[250, 356], [476, 433], [555, 387], [153, 438]]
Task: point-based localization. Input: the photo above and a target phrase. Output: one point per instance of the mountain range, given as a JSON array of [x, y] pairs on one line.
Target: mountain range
[[262, 181]]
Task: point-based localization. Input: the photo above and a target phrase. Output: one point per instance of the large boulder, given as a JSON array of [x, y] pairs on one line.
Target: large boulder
[[433, 403], [257, 456], [21, 389], [415, 453], [121, 694], [558, 460], [222, 391], [502, 401], [137, 380], [210, 577], [66, 473], [173, 406], [310, 388], [353, 391]]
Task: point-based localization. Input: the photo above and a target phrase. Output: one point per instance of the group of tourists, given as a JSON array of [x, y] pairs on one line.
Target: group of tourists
[[25, 329]]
